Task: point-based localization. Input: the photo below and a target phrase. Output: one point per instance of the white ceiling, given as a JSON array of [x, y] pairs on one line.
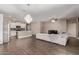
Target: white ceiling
[[40, 12]]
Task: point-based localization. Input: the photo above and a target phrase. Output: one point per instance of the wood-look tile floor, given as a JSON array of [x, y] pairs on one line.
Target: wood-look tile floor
[[32, 46]]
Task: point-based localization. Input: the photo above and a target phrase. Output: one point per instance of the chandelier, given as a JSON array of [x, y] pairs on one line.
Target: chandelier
[[28, 17]]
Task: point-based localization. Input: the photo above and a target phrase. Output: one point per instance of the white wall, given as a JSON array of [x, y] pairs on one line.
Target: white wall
[[1, 28], [5, 28]]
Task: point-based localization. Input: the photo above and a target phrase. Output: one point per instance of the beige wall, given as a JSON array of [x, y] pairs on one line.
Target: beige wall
[[36, 27], [59, 25]]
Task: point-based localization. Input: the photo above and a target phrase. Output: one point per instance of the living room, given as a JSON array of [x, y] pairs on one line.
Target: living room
[[25, 30]]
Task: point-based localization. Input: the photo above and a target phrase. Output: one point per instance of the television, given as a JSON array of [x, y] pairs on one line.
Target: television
[[52, 32]]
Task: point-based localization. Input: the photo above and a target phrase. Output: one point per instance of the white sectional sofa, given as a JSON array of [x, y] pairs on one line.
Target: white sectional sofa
[[55, 38]]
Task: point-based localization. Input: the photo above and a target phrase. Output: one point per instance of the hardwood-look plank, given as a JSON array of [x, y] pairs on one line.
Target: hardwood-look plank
[[33, 46]]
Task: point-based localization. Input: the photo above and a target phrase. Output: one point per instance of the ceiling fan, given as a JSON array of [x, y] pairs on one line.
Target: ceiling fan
[[53, 19]]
